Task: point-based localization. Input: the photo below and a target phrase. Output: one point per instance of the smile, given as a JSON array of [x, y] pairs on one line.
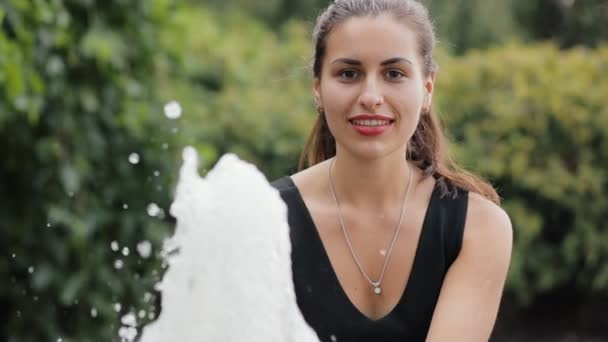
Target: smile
[[371, 127], [371, 123]]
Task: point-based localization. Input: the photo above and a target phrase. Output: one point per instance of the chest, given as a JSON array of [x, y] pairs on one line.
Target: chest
[[365, 247]]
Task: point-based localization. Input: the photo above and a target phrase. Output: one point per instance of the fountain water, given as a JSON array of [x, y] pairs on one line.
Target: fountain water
[[229, 278]]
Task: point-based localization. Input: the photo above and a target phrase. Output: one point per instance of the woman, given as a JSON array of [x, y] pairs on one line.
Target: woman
[[391, 240]]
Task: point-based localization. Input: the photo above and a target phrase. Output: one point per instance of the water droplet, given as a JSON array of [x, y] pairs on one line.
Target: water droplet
[[173, 110], [333, 338], [48, 225], [153, 209], [134, 158], [114, 246], [141, 314], [144, 249], [147, 297], [156, 173], [118, 264], [189, 154], [151, 315], [71, 194], [125, 251], [127, 333], [59, 339], [117, 307], [30, 269], [165, 146], [35, 298], [129, 319], [93, 312], [13, 255], [158, 287], [125, 206]]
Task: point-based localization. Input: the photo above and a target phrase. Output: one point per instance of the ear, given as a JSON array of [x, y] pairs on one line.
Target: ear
[[429, 87], [316, 91]]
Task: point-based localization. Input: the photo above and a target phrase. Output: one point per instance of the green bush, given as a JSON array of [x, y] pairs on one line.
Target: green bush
[[534, 120], [244, 88], [77, 98]]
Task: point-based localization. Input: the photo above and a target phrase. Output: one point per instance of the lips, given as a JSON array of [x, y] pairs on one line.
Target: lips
[[371, 117], [371, 125]]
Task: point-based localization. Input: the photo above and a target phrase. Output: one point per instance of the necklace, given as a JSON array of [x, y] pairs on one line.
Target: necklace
[[375, 284]]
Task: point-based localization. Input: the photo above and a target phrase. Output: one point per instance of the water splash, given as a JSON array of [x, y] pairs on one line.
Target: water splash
[[153, 209], [134, 158], [173, 110], [144, 249], [229, 276]]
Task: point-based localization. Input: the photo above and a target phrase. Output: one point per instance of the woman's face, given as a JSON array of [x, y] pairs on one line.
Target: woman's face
[[372, 87]]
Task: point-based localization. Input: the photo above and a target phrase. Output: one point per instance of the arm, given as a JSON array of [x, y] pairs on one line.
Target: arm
[[471, 292]]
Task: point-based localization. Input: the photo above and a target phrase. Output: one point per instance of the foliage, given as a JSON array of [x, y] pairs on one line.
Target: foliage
[[244, 89], [462, 25], [567, 22], [76, 100], [465, 24], [535, 121]]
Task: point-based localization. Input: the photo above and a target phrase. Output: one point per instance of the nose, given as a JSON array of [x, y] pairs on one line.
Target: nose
[[371, 95]]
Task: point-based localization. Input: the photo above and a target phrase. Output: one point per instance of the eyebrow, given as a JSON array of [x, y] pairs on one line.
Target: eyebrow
[[389, 61]]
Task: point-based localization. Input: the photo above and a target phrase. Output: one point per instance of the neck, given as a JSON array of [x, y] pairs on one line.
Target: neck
[[371, 184]]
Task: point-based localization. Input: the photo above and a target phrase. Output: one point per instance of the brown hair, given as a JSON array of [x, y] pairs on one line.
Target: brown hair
[[428, 146]]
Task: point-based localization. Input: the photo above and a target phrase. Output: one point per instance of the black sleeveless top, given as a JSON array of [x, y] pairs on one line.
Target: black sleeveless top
[[325, 305]]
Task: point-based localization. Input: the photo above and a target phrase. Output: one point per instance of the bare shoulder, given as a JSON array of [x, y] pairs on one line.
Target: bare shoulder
[[487, 216], [310, 179], [488, 229]]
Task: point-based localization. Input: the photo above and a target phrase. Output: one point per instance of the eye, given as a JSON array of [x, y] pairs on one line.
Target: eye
[[395, 74], [348, 74]]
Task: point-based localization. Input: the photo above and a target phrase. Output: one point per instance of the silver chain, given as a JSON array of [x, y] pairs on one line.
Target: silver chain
[[375, 284]]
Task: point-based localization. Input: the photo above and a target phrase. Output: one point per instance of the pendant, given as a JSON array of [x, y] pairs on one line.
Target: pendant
[[377, 290]]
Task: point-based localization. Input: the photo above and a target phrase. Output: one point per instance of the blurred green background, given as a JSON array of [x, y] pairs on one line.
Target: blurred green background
[[90, 144]]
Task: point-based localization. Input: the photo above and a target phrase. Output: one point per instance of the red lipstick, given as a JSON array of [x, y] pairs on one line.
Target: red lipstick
[[371, 124]]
